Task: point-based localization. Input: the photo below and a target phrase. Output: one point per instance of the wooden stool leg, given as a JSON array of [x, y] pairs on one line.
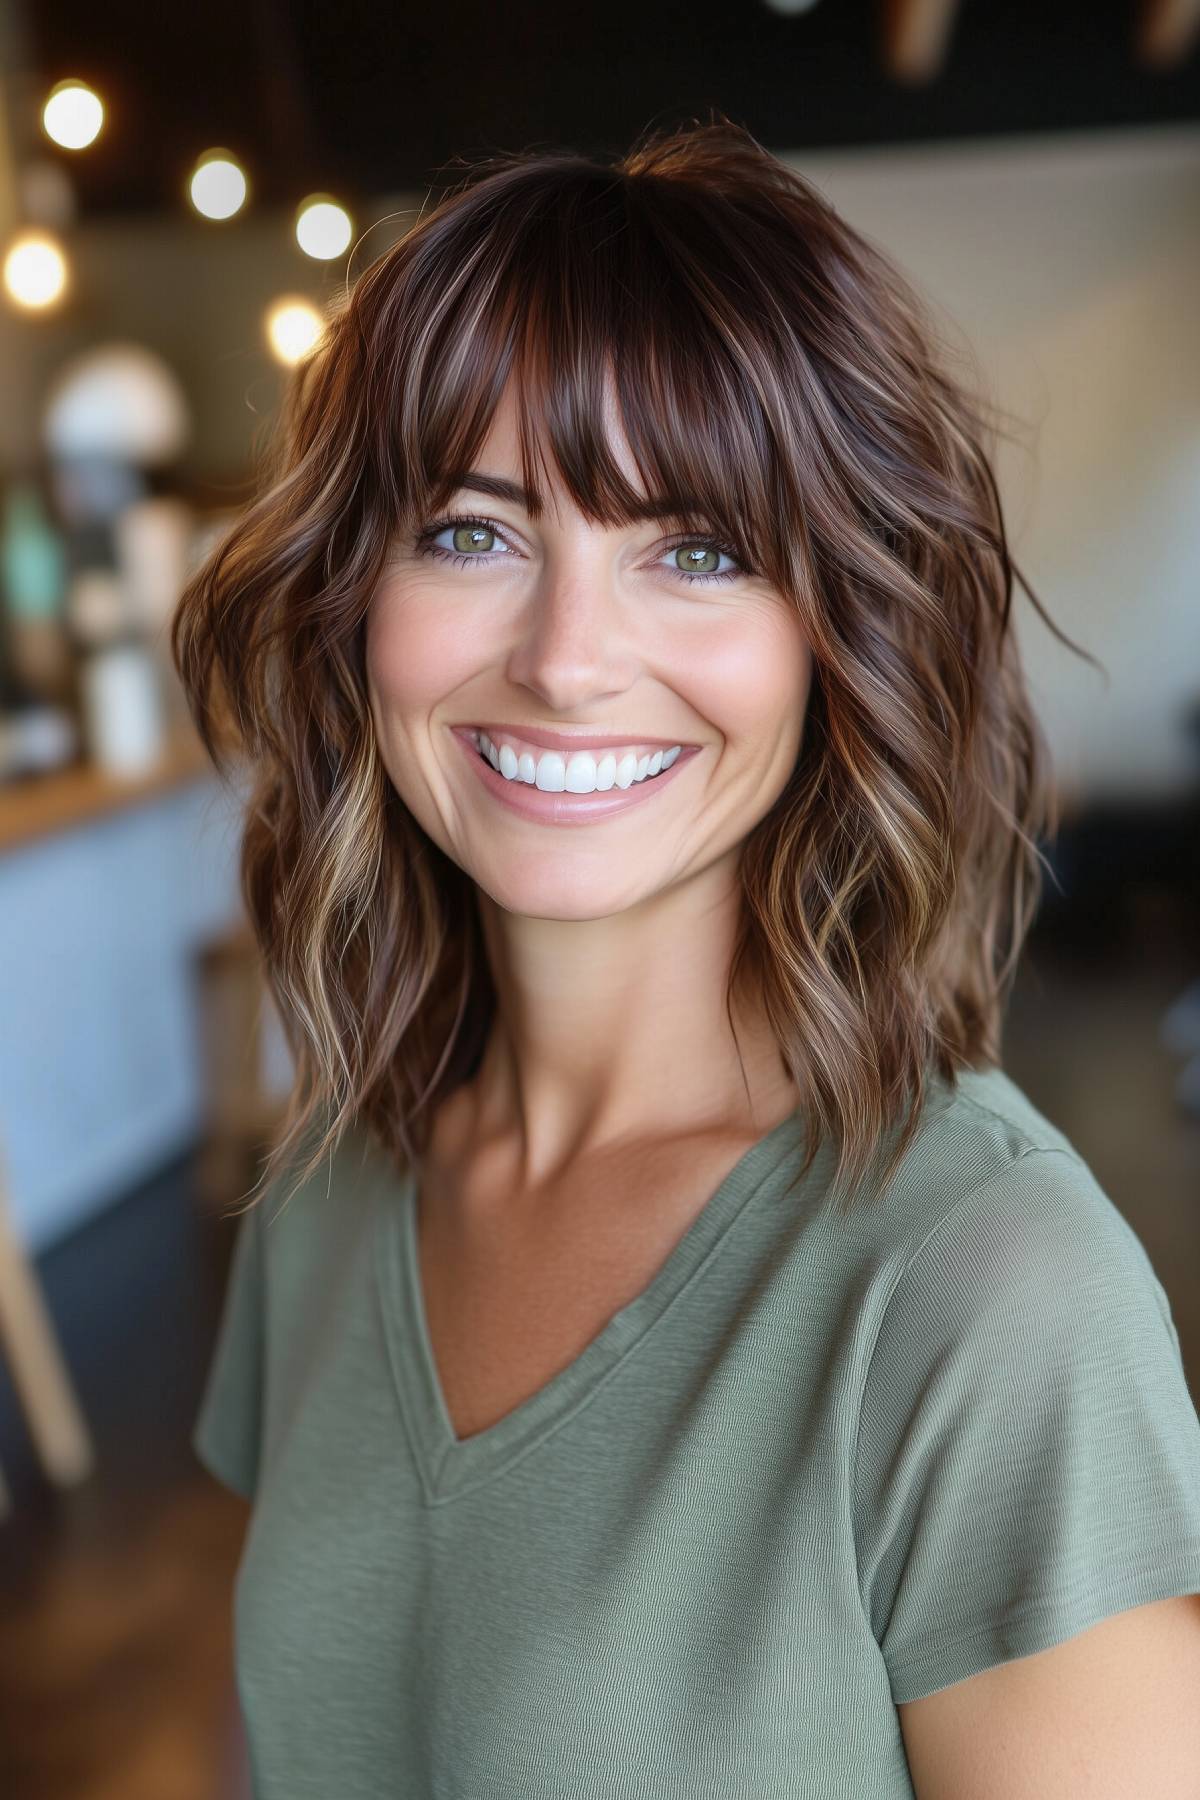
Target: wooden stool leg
[[40, 1374]]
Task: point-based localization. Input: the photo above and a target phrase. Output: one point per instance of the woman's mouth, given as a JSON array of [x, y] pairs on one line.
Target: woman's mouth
[[581, 787]]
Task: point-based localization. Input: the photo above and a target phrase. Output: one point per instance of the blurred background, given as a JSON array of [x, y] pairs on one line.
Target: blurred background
[[180, 194]]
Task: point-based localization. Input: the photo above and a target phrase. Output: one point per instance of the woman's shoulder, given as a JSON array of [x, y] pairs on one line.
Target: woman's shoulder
[[988, 1182], [993, 1204], [311, 1211], [1024, 1417], [978, 1123]]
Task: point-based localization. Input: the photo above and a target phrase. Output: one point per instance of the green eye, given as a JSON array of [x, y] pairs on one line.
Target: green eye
[[698, 559], [470, 537], [473, 540]]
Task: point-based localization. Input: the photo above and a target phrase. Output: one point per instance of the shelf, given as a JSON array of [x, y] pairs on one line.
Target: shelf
[[40, 806]]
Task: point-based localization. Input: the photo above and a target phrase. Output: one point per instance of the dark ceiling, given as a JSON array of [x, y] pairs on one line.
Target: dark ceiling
[[369, 99]]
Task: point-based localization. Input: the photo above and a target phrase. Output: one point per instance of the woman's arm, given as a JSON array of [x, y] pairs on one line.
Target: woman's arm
[[1111, 1713]]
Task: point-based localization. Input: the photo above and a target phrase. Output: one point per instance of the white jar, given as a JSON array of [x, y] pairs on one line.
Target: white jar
[[123, 721]]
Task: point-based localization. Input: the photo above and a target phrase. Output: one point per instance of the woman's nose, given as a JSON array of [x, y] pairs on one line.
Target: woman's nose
[[574, 643]]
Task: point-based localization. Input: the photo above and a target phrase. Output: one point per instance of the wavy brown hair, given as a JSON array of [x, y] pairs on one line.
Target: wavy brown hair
[[778, 379]]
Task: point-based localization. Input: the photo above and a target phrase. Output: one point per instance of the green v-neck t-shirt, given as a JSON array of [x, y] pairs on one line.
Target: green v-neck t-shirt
[[821, 1465]]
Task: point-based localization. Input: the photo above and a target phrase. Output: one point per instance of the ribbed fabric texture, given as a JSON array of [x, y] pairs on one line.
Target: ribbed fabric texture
[[817, 1468]]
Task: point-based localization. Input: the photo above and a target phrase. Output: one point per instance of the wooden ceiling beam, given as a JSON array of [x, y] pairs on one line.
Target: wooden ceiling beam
[[916, 35], [1166, 32]]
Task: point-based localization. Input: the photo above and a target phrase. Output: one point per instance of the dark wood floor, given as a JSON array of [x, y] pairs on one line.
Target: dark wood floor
[[115, 1629], [115, 1632]]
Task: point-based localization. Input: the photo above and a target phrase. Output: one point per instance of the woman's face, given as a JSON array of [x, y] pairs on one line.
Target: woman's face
[[586, 631]]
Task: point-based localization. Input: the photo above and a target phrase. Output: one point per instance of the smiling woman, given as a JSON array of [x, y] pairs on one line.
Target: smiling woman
[[682, 1363]]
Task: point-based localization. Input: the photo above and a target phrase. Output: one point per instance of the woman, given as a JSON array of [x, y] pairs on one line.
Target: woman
[[685, 1363]]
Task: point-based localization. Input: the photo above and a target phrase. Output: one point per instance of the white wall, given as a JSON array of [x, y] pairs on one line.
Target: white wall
[[1069, 267]]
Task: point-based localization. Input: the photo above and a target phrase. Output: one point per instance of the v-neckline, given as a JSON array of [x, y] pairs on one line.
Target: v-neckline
[[449, 1465]]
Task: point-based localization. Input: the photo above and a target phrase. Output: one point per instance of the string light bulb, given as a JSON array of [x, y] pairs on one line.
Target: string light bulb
[[323, 227], [35, 271], [294, 329], [217, 187], [73, 114]]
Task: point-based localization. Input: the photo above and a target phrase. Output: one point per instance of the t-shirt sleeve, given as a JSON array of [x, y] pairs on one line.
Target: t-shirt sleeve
[[227, 1431], [1028, 1456]]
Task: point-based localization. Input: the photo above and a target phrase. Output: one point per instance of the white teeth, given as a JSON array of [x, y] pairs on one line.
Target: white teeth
[[579, 773]]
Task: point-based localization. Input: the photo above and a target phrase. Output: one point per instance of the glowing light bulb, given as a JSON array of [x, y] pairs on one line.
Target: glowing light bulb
[[217, 187], [35, 270], [73, 114], [323, 228], [294, 328]]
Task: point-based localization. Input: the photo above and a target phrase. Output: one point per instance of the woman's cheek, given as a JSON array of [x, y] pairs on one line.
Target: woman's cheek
[[746, 670], [421, 647]]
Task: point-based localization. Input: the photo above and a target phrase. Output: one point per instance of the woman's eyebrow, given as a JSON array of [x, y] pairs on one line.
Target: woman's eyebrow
[[499, 487]]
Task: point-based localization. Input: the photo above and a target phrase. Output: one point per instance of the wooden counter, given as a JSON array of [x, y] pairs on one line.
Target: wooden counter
[[40, 806]]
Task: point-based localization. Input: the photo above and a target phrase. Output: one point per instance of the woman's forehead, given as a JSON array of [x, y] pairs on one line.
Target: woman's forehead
[[500, 450], [497, 470]]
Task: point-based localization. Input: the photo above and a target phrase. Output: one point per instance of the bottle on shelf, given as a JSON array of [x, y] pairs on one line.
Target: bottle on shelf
[[33, 576]]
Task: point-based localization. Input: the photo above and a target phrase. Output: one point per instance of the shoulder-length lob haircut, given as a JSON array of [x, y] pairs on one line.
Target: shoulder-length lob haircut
[[779, 382]]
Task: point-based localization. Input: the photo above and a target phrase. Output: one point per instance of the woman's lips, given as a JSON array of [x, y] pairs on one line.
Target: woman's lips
[[565, 809], [564, 742]]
